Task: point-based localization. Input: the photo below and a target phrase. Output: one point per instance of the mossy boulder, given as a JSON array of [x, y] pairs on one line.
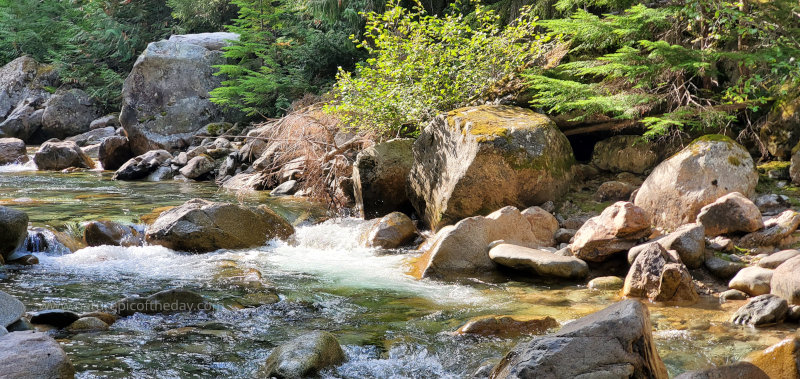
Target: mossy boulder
[[474, 160], [380, 175], [708, 168], [303, 357], [781, 132], [56, 155], [624, 153]]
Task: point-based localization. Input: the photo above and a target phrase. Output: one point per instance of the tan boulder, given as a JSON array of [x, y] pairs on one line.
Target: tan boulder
[[786, 281], [616, 229], [660, 276], [507, 326], [729, 214], [781, 360], [391, 231], [752, 280], [775, 230]]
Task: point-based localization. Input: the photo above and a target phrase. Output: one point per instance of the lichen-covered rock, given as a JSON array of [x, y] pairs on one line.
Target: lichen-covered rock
[[201, 226], [68, 113], [13, 230], [303, 357], [730, 214], [33, 355], [781, 360], [114, 152], [380, 177], [211, 41], [474, 160], [12, 150], [615, 342], [616, 229], [624, 153], [659, 276], [786, 281], [141, 166], [506, 326], [543, 263], [391, 231], [775, 230], [165, 99], [56, 156], [709, 168], [462, 250], [761, 310], [752, 280]]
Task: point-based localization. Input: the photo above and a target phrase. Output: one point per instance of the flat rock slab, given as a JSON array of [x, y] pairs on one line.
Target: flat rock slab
[[542, 262], [11, 309]]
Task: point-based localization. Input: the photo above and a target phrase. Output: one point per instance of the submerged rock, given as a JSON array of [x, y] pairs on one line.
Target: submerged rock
[[739, 370], [709, 168], [57, 156], [616, 229], [786, 281], [55, 317], [543, 263], [507, 326], [624, 153], [730, 214], [33, 355], [462, 250], [473, 160], [201, 226], [391, 231], [12, 150], [380, 177], [164, 302], [98, 233], [303, 357], [87, 324], [659, 276], [615, 342], [13, 230], [606, 283], [762, 310], [753, 280]]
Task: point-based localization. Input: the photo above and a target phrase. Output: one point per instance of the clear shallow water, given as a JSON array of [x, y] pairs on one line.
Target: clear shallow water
[[390, 325]]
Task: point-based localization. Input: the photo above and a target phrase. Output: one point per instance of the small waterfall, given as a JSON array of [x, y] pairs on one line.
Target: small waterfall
[[36, 242]]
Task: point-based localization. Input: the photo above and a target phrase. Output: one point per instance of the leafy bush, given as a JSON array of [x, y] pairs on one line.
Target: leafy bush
[[688, 64], [421, 65]]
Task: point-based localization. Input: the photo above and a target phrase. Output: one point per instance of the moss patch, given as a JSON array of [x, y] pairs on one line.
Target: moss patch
[[734, 160]]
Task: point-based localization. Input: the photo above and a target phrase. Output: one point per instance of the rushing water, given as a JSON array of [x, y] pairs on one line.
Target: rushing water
[[390, 325]]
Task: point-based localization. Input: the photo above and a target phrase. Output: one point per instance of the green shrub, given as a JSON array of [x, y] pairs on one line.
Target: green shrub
[[421, 65]]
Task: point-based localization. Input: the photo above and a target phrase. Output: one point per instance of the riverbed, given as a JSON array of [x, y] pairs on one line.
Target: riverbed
[[390, 325]]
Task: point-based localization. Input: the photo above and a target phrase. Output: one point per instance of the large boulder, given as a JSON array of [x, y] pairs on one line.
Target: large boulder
[[303, 357], [55, 155], [211, 41], [165, 99], [624, 153], [68, 113], [462, 250], [786, 281], [616, 229], [730, 214], [781, 360], [660, 276], [543, 263], [709, 168], [141, 166], [201, 226], [471, 161], [12, 150], [93, 137], [13, 230], [104, 232], [114, 152], [33, 355], [380, 175], [615, 342], [24, 85]]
